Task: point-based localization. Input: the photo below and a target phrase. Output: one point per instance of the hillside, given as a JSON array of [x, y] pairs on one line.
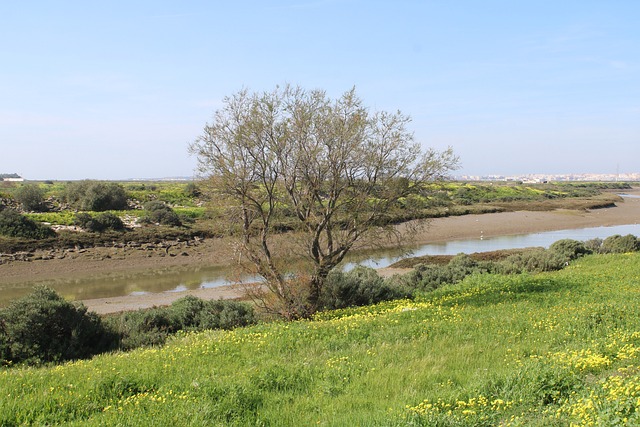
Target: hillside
[[534, 350]]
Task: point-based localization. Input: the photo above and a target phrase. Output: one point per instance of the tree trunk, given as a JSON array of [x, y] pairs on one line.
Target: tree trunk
[[315, 288]]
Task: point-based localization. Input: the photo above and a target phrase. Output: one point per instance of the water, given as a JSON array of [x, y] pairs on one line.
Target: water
[[182, 279], [384, 257], [544, 239]]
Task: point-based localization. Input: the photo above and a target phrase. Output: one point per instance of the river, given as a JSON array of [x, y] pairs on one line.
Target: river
[[182, 279]]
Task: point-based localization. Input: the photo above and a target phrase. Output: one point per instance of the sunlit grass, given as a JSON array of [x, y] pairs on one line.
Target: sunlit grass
[[537, 350]]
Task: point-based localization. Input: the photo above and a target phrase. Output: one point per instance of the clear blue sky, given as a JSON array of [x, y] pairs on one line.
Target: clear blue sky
[[117, 89]]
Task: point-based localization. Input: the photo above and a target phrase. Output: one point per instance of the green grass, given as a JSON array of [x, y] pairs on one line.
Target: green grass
[[191, 212], [172, 192], [533, 350], [57, 218]]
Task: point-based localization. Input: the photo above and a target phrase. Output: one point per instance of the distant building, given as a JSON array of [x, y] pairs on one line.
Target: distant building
[[11, 177]]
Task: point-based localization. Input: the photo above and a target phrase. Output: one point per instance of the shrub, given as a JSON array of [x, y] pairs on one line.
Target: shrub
[[192, 313], [142, 327], [358, 287], [533, 261], [13, 224], [43, 327], [99, 223], [95, 196], [192, 190], [225, 315], [158, 212], [153, 326], [426, 277], [31, 197], [570, 249], [186, 312], [5, 350], [620, 244], [594, 245]]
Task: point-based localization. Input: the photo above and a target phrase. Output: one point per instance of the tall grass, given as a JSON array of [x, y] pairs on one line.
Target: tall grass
[[537, 350]]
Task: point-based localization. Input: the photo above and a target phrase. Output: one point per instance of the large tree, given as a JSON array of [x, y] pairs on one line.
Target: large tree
[[335, 167]]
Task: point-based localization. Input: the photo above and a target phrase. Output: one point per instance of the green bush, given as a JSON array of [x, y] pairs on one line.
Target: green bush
[[43, 327], [13, 224], [160, 213], [570, 249], [142, 328], [31, 197], [5, 349], [620, 244], [186, 312], [358, 287], [594, 245], [99, 223], [153, 326], [95, 196], [426, 277], [533, 261], [192, 190], [224, 315]]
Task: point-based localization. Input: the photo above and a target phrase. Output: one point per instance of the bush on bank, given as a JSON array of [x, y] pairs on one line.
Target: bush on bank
[[95, 196], [31, 197], [14, 224], [358, 287], [43, 327], [99, 223], [158, 212], [153, 326]]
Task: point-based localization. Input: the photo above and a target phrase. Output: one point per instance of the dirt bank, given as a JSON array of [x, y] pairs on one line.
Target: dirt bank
[[102, 261]]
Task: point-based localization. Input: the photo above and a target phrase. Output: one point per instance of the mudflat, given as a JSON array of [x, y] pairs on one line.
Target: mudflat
[[212, 252]]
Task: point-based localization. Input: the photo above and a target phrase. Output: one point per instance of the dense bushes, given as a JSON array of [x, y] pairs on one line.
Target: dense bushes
[[160, 213], [95, 196], [363, 286], [43, 327], [100, 222], [532, 261], [31, 197], [427, 277], [569, 248], [358, 287], [154, 326], [620, 244], [13, 224]]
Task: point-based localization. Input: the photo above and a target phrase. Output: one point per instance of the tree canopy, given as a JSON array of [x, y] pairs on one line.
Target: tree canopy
[[335, 167]]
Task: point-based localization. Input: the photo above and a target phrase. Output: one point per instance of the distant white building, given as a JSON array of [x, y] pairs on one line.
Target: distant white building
[[11, 177]]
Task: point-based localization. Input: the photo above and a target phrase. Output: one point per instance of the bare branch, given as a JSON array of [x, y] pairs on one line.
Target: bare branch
[[331, 166]]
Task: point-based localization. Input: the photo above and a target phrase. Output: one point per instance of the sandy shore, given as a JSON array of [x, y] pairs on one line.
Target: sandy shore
[[102, 261]]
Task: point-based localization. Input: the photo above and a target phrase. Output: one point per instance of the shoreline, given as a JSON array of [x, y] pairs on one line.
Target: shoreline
[[219, 252]]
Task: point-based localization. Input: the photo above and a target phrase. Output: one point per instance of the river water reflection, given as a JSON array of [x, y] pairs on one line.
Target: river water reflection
[[544, 239], [181, 279]]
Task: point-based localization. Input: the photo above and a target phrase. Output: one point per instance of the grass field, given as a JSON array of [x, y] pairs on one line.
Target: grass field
[[553, 349]]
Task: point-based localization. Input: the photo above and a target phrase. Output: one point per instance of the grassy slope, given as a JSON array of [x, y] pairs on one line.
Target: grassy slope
[[523, 350]]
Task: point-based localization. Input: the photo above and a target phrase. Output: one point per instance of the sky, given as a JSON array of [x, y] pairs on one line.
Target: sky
[[117, 90]]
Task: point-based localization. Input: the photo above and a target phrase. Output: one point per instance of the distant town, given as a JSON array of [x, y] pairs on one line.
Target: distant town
[[541, 178], [526, 179]]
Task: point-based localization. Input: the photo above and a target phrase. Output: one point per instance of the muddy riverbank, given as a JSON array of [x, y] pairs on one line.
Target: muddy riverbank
[[126, 260]]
